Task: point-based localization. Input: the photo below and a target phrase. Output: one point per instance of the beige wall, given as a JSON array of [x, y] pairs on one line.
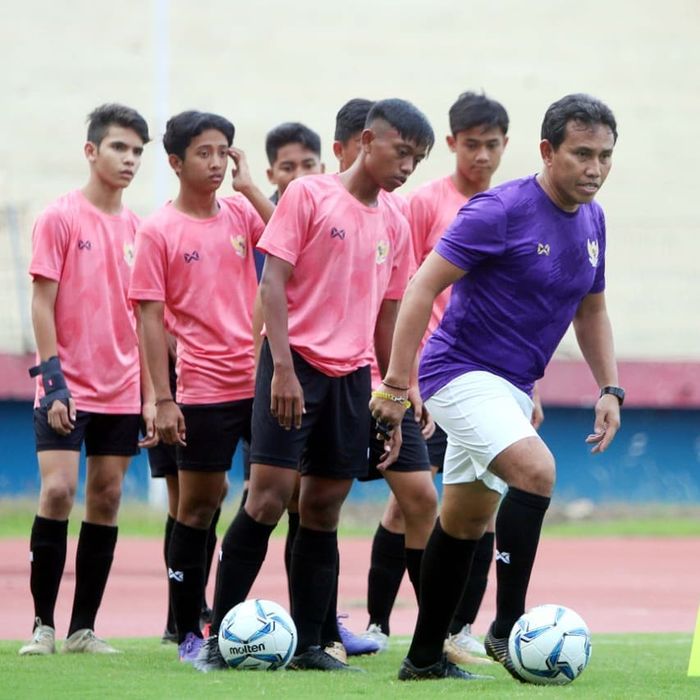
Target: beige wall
[[264, 62]]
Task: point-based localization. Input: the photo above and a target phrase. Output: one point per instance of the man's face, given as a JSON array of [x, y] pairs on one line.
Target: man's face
[[390, 158], [293, 161], [478, 153], [347, 152], [204, 166], [578, 168], [117, 158]]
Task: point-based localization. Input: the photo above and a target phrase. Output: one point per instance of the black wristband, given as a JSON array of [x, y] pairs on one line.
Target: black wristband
[[616, 391], [55, 387]]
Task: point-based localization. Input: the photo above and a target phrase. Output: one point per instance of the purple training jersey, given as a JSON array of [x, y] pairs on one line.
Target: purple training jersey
[[529, 265]]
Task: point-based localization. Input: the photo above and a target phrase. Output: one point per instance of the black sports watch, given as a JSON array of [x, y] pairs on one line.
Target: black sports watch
[[616, 391]]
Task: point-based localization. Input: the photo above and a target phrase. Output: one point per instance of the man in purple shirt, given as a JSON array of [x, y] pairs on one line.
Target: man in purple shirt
[[525, 260]]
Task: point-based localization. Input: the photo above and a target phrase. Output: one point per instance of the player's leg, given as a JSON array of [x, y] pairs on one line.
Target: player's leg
[[58, 470], [315, 559], [212, 433], [529, 470], [335, 454], [387, 567], [484, 417], [205, 613], [465, 510], [110, 442], [461, 635]]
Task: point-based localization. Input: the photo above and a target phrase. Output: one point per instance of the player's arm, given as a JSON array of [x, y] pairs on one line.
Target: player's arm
[[61, 413], [148, 396], [287, 397], [432, 277], [595, 338], [243, 183], [169, 421]]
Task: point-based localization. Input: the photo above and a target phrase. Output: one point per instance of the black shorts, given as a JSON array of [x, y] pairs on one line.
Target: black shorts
[[162, 460], [332, 440], [212, 433], [437, 445], [413, 456], [104, 434]]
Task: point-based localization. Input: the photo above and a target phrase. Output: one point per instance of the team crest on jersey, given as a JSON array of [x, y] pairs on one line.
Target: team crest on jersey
[[592, 252], [129, 254], [239, 245], [382, 252], [543, 249]]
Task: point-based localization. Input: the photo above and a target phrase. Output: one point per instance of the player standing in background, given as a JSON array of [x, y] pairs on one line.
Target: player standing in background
[[195, 258], [89, 388], [479, 128], [337, 262], [525, 260]]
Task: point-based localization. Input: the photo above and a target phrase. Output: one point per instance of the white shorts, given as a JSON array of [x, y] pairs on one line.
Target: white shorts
[[482, 414]]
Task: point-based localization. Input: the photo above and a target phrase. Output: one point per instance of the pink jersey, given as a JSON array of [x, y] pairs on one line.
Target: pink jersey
[[433, 206], [347, 259], [90, 254], [203, 271]]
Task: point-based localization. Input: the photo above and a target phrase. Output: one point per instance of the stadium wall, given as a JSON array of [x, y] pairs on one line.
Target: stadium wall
[[655, 459]]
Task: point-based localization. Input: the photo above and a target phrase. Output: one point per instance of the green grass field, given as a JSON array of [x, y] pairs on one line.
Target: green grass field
[[359, 520], [622, 666]]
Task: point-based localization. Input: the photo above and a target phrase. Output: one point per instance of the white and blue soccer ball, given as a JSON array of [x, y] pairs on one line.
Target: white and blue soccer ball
[[550, 645], [257, 634]]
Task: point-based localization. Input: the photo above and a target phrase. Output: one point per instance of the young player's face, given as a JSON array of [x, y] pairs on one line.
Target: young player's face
[[390, 158], [117, 158], [347, 152], [578, 168], [206, 159], [478, 153], [293, 161]]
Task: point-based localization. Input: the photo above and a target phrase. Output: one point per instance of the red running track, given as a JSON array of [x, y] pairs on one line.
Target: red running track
[[616, 584]]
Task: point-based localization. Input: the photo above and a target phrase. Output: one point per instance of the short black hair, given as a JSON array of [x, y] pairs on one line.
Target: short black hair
[[183, 127], [408, 120], [580, 108], [472, 109], [351, 118], [104, 116], [291, 132]]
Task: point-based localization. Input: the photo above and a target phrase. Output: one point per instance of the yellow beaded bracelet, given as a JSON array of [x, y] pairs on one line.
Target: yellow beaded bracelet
[[391, 397]]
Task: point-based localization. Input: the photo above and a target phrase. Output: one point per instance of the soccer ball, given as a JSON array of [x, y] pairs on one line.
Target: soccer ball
[[257, 634], [550, 645]]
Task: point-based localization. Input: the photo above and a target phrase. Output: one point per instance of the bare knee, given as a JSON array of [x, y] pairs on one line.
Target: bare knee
[[527, 465], [102, 501], [537, 478], [420, 506], [321, 511], [266, 505], [56, 499]]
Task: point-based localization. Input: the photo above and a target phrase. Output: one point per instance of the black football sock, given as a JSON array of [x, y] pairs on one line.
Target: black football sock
[[92, 564], [518, 526], [314, 567], [186, 563], [473, 594], [413, 563], [446, 564], [292, 527], [47, 546], [388, 563], [330, 632], [169, 523], [243, 551], [211, 548]]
